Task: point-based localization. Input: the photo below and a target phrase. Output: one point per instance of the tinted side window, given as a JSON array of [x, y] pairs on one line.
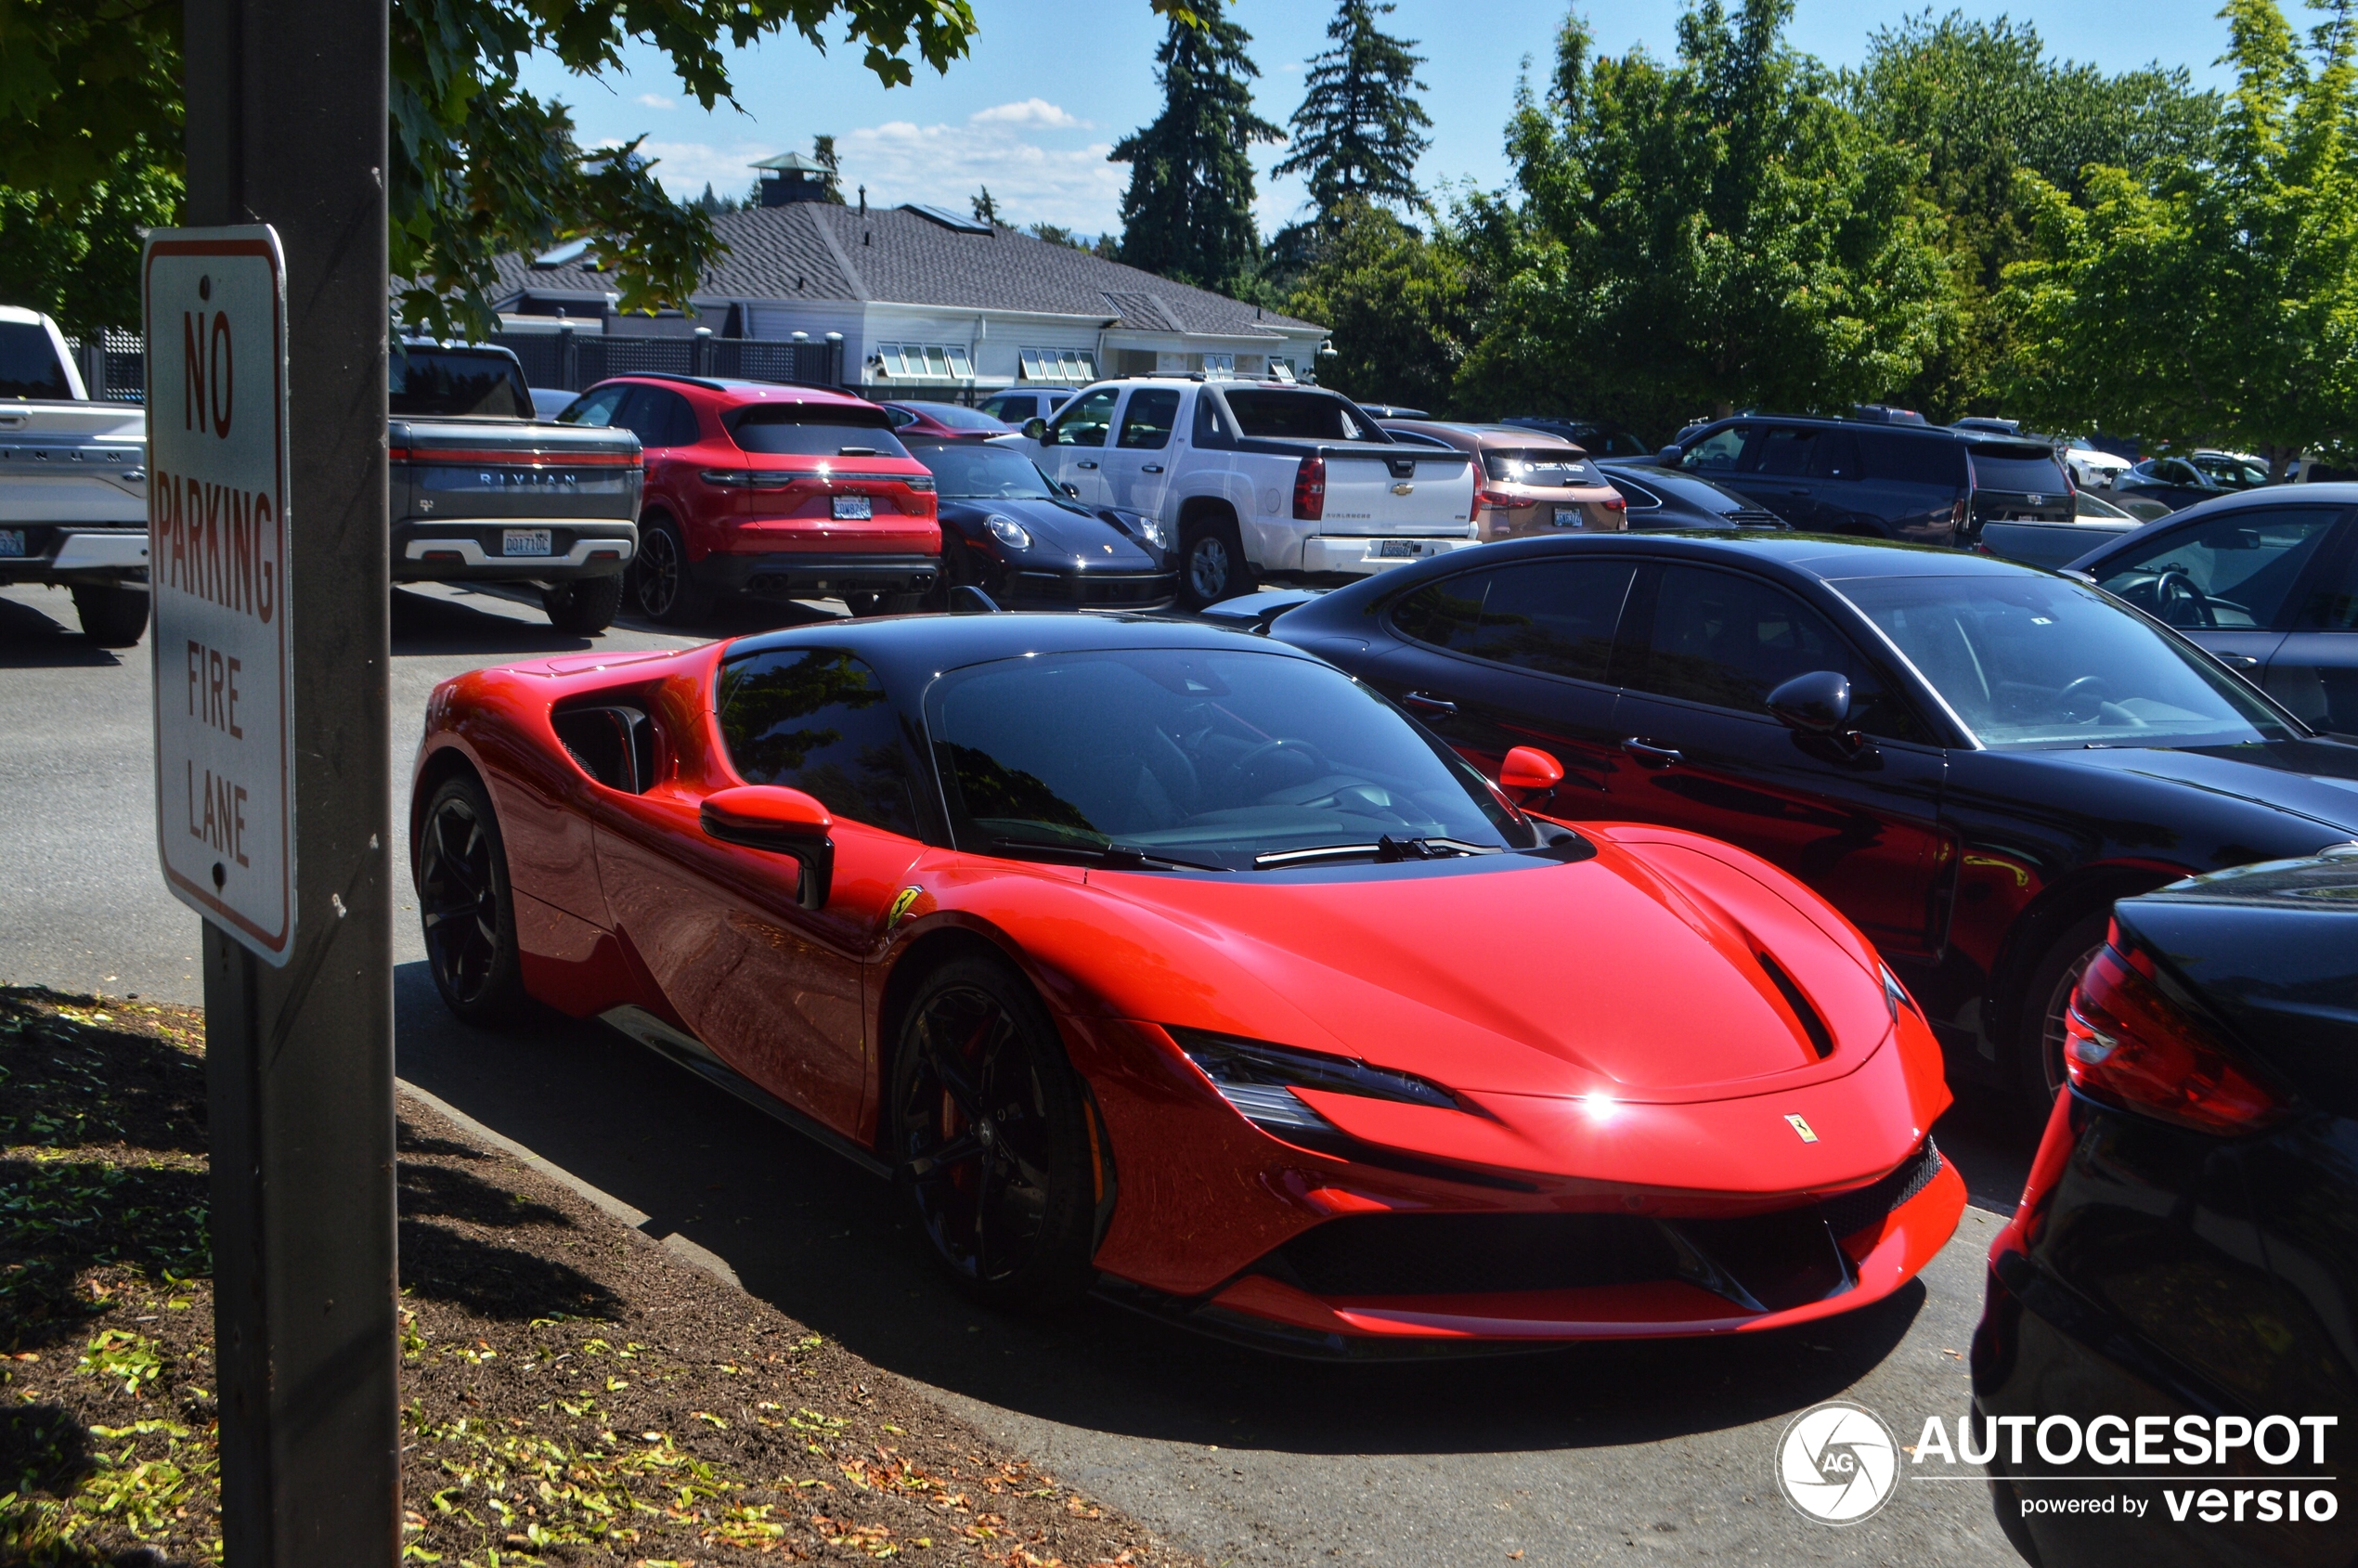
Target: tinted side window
[[1729, 641], [2333, 607], [1783, 451], [1087, 422], [1834, 455], [1148, 419], [1555, 616], [816, 719], [2223, 572], [1718, 451], [594, 408], [1910, 460], [29, 366]]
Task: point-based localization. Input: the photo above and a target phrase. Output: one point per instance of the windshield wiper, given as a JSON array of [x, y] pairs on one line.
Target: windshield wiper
[[1384, 850], [1117, 857]]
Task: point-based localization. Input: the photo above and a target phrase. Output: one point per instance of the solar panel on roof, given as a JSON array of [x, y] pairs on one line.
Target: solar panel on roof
[[946, 218]]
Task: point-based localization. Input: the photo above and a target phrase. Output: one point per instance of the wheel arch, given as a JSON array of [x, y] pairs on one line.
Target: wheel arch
[[446, 762], [2085, 891], [1197, 510]]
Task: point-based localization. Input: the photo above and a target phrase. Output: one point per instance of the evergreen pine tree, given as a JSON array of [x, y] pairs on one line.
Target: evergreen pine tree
[[986, 210], [1360, 130], [1188, 212], [822, 150]]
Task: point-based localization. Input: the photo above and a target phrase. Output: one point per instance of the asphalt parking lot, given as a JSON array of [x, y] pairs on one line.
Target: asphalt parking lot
[[1598, 1454]]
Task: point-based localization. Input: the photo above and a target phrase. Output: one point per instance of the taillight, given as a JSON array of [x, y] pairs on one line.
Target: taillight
[[2128, 1044], [1310, 490], [1615, 503], [1962, 510], [746, 478], [1500, 497]]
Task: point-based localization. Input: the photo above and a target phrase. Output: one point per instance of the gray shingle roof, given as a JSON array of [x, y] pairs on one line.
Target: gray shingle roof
[[816, 251]]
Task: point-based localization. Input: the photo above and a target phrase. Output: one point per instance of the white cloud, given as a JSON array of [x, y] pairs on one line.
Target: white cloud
[[684, 167], [656, 101], [1031, 179], [1030, 112]]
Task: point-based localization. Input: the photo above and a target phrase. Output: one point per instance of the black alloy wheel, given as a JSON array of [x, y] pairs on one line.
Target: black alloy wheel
[[585, 606], [665, 590], [464, 904], [2046, 1000], [990, 1137], [1211, 564]]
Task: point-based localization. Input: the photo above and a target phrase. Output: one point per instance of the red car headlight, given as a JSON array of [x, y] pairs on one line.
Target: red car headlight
[[1259, 1080]]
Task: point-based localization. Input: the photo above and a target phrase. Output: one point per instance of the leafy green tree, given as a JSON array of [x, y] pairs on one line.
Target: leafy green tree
[[478, 165], [1360, 129], [1707, 233], [78, 257], [2216, 298], [822, 151], [1397, 303], [1982, 100], [1187, 214], [1056, 234]]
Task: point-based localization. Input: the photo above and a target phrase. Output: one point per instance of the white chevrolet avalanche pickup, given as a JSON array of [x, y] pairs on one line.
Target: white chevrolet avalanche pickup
[[74, 483], [1257, 481]]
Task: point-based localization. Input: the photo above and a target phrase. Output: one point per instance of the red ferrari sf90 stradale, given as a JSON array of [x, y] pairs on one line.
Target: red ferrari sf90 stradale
[[1169, 961]]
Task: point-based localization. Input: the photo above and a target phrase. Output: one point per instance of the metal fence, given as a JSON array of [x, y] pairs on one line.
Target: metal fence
[[571, 361], [110, 363]]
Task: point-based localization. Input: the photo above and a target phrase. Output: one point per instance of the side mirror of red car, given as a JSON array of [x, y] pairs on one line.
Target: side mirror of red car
[[784, 821], [1527, 770]]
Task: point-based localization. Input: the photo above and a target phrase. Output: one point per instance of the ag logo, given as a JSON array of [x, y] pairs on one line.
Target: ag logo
[[1838, 1462]]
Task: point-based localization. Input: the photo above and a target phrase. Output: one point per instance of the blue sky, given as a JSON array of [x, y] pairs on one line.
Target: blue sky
[[1051, 84]]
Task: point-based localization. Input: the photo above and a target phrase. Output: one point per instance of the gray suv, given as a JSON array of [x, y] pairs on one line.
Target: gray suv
[[1922, 484]]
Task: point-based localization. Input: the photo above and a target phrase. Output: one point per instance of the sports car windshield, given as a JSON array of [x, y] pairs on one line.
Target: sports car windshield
[[2047, 662], [1223, 760], [988, 472]]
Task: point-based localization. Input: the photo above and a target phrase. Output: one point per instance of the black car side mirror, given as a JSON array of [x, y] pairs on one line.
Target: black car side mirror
[[1817, 703], [1035, 428], [1668, 456], [1072, 489]]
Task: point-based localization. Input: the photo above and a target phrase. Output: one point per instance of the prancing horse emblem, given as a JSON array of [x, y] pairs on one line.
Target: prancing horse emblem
[[1801, 1127], [900, 902]]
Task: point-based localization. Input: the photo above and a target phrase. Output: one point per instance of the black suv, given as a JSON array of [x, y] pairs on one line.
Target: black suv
[[1922, 484]]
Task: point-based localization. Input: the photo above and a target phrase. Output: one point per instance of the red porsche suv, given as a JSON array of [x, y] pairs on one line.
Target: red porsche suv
[[784, 491]]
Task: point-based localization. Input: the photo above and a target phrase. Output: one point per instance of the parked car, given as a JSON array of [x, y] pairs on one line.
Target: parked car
[[945, 421], [1982, 424], [1922, 484], [2237, 471], [1599, 438], [1258, 480], [482, 490], [2267, 580], [74, 483], [1169, 961], [547, 402], [1658, 498], [1012, 408], [2174, 482], [1009, 532], [2052, 545], [1970, 758], [2182, 1255], [1393, 411], [2087, 505], [1530, 481], [748, 492], [2091, 467]]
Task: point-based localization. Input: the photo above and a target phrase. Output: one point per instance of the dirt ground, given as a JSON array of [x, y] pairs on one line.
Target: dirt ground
[[571, 1392]]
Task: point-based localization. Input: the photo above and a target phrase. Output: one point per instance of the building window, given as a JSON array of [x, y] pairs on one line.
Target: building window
[[1219, 365], [916, 361], [1069, 365]]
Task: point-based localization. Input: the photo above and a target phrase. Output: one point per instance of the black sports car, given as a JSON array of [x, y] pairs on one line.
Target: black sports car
[[1657, 498], [1971, 758], [1009, 531], [2182, 1257]]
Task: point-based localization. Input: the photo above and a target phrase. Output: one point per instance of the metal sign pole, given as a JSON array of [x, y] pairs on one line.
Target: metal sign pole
[[286, 126]]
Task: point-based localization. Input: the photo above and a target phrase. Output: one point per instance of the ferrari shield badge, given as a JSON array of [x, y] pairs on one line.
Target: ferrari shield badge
[[1795, 1122], [900, 902]]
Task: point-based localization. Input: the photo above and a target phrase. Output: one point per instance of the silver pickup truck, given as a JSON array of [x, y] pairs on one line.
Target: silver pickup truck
[[484, 492], [74, 483]]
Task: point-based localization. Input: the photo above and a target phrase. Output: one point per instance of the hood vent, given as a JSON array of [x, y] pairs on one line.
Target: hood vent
[[1821, 1038]]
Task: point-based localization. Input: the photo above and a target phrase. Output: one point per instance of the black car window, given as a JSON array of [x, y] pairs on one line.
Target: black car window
[[658, 418], [816, 719], [29, 363], [1719, 452], [1834, 455], [595, 407], [1620, 444], [1086, 421], [1305, 415], [1891, 455], [1782, 451], [2333, 605], [1148, 418], [2226, 572], [1728, 640], [427, 381], [1555, 616], [814, 430], [2020, 470], [1634, 495]]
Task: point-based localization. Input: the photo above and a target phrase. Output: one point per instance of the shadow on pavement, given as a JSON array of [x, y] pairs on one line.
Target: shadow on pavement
[[31, 638], [832, 1247], [492, 618]]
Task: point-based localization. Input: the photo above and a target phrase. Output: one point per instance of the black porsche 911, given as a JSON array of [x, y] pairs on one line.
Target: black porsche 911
[[1970, 758], [1009, 531]]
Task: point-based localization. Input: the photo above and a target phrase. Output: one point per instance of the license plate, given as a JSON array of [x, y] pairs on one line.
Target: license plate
[[12, 542], [854, 509], [1394, 550], [524, 541], [1569, 517]]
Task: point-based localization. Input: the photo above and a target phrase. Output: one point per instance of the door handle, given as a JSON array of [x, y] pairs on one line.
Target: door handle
[[1084, 465], [2239, 661], [1426, 702], [1652, 755], [1151, 467]]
